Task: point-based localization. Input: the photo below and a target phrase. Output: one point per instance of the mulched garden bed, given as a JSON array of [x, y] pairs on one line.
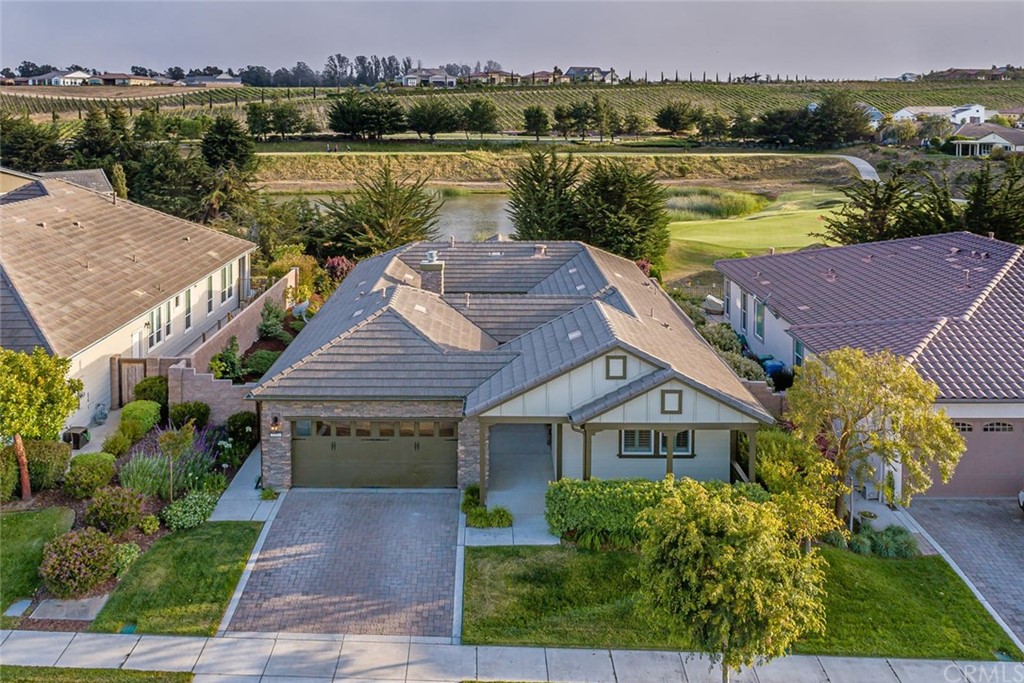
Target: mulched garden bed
[[275, 345]]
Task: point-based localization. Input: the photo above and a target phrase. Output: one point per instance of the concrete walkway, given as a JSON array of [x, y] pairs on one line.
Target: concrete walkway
[[241, 501], [866, 170], [272, 657]]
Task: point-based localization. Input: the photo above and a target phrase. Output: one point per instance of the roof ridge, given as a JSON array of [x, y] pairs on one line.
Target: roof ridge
[[923, 344], [869, 321], [26, 308], [992, 284]]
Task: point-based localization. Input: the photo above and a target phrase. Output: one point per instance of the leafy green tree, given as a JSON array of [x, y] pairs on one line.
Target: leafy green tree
[[713, 126], [118, 181], [36, 397], [258, 119], [227, 143], [169, 181], [743, 125], [873, 411], [285, 118], [581, 116], [431, 115], [900, 132], [837, 119], [563, 120], [622, 210], [28, 146], [480, 116], [603, 116], [95, 144], [347, 115], [936, 126], [676, 117], [536, 121], [634, 124], [996, 204], [384, 116], [383, 213], [542, 197], [725, 571]]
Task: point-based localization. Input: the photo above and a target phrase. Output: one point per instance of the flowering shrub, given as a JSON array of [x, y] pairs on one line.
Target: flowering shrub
[[149, 525], [190, 511], [88, 472], [125, 555], [115, 509], [146, 474], [77, 562]]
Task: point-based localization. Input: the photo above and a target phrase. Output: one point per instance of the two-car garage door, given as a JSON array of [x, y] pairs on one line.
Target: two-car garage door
[[357, 453]]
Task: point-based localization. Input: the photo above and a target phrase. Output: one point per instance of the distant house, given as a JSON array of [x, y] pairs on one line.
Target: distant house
[[874, 115], [982, 138], [60, 78], [120, 79], [545, 78], [114, 279], [996, 73], [164, 80], [428, 78], [222, 81], [957, 115], [950, 304], [591, 74], [494, 78]]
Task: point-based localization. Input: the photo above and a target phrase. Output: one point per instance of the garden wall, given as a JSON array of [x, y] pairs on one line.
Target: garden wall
[[774, 403], [224, 397], [243, 325]]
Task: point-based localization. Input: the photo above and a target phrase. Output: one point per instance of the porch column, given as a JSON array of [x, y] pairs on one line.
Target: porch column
[[558, 451], [485, 432], [586, 453], [751, 454], [670, 438]]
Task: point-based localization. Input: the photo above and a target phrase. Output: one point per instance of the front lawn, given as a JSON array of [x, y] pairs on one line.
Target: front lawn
[[23, 535], [560, 596], [52, 674], [182, 585]]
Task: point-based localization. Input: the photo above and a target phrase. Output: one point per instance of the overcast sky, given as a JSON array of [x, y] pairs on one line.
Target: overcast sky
[[822, 39]]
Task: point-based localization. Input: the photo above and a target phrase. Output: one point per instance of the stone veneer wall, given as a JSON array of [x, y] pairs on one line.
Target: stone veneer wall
[[469, 452], [277, 450], [224, 397]]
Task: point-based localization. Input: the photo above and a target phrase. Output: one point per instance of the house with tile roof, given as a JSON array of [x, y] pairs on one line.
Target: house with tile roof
[[91, 277], [428, 358], [979, 139], [951, 304], [957, 115]]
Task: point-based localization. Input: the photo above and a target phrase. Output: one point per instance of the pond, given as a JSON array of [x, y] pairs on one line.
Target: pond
[[472, 217]]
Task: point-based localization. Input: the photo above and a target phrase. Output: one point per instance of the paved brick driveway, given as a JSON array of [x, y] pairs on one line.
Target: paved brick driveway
[[370, 562], [986, 539]]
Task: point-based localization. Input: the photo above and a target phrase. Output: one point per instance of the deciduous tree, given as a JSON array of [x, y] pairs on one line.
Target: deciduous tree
[[431, 115], [258, 119], [870, 412], [480, 116], [676, 117], [36, 396], [726, 572]]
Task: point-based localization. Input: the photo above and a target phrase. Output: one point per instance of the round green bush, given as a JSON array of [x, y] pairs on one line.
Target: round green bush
[[8, 474], [146, 412], [87, 473], [722, 337], [47, 462], [125, 555], [860, 544], [149, 525], [744, 367], [196, 411], [835, 539], [152, 389], [77, 562], [115, 509], [117, 444], [260, 361], [190, 511], [133, 430]]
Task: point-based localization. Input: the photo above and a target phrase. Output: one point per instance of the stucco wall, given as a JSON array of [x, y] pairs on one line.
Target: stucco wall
[[777, 341], [992, 466]]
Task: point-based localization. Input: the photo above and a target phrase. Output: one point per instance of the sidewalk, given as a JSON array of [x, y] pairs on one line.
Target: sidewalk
[[241, 501], [272, 657]]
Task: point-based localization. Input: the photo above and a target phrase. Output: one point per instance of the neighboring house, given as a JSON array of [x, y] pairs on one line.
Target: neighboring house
[[94, 179], [982, 138], [952, 304], [874, 115], [88, 276], [545, 78], [428, 78], [591, 74], [164, 80], [494, 78], [399, 378], [60, 78], [222, 81], [958, 115], [121, 79]]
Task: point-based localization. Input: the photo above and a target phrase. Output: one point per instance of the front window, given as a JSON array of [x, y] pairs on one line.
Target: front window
[[167, 319], [798, 352], [759, 319], [726, 292], [209, 295], [156, 327], [188, 308], [743, 312], [227, 282], [637, 442], [683, 444]]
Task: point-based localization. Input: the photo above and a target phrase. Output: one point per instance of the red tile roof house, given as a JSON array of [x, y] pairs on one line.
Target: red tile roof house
[[951, 304], [443, 364]]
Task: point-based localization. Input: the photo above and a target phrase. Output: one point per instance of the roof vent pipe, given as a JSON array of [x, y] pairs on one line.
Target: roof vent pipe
[[991, 235], [771, 251], [451, 241], [967, 277], [540, 250]]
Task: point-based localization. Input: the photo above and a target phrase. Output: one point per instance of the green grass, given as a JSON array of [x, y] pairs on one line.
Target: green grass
[[52, 674], [704, 203], [182, 585], [784, 224], [559, 596], [23, 535]]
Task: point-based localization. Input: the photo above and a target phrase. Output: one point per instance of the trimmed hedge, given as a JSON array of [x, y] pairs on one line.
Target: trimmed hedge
[[197, 411], [152, 389], [88, 472], [146, 412], [117, 444], [598, 513], [47, 462], [8, 474]]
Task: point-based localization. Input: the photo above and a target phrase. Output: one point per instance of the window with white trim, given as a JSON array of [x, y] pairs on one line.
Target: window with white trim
[[743, 312], [997, 427], [798, 352], [188, 308], [637, 442], [683, 444], [227, 282], [759, 319], [727, 294], [156, 326], [209, 295], [167, 319]]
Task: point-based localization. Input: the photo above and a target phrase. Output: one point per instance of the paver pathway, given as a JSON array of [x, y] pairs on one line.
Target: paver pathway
[[368, 562], [273, 658], [986, 540]]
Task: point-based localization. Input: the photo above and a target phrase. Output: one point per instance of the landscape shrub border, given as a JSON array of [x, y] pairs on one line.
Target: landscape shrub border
[[479, 516]]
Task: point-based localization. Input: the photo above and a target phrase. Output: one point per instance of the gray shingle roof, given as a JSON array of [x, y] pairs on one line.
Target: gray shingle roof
[[90, 178], [952, 303], [104, 264], [528, 318], [18, 331]]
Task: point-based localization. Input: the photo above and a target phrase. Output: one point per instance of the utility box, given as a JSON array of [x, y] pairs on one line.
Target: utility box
[[78, 437]]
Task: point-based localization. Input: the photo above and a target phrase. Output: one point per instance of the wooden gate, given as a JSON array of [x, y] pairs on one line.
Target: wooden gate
[[132, 371]]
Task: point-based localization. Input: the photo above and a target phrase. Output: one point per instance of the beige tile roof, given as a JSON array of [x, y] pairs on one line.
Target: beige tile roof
[[83, 265]]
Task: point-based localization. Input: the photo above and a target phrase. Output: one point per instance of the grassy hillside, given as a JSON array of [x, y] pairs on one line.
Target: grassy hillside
[[644, 99]]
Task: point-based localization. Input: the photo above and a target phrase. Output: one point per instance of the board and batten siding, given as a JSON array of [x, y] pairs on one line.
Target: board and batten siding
[[575, 388], [711, 462], [697, 408]]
